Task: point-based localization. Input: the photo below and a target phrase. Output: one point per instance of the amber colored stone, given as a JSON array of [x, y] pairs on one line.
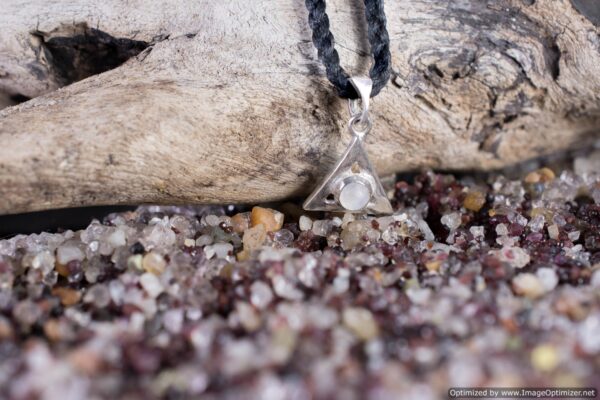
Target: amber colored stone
[[377, 276], [6, 330], [272, 220], [227, 271], [474, 200], [67, 296], [541, 175], [546, 174], [433, 266], [62, 270], [510, 325], [240, 222], [546, 213], [243, 255], [537, 211], [52, 330]]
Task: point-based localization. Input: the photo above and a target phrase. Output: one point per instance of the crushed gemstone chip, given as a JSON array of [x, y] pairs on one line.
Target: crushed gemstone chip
[[469, 282]]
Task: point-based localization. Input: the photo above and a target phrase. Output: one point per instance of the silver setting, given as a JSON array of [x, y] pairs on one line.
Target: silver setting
[[353, 168]]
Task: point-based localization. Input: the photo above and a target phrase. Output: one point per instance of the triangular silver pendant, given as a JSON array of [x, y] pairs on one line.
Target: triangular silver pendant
[[353, 186]]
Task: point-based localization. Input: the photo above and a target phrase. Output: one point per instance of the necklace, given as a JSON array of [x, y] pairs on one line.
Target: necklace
[[353, 185]]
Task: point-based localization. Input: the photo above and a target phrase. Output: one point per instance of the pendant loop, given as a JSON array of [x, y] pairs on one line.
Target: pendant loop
[[360, 127], [363, 86]]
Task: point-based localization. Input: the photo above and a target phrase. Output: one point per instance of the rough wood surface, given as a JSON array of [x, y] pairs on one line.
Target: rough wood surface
[[229, 104]]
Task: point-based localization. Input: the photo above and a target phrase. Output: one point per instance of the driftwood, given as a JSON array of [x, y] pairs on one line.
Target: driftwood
[[225, 101]]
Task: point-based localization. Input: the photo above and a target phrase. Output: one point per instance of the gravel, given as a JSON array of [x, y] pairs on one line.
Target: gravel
[[472, 281]]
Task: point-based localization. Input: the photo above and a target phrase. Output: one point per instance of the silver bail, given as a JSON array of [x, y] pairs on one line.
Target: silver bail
[[360, 122], [363, 86]]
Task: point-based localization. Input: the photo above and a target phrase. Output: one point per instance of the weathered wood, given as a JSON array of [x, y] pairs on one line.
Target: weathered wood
[[229, 103]]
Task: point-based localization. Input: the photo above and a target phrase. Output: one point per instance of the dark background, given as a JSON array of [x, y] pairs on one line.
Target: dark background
[[54, 220]]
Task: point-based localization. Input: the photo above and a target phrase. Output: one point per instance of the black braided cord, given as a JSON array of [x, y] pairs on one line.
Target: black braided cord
[[378, 38]]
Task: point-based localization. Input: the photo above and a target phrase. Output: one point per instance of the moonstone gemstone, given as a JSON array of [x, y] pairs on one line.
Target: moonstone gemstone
[[355, 196]]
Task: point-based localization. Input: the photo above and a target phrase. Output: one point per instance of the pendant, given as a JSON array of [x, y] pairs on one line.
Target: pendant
[[353, 186]]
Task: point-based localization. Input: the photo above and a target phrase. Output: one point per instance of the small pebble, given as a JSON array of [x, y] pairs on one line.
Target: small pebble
[[553, 231], [53, 330], [305, 223], [286, 289], [240, 222], [117, 238], [249, 318], [390, 236], [284, 237], [173, 320], [242, 255], [541, 175], [537, 223], [117, 291], [433, 266], [270, 219], [477, 231], [452, 220], [548, 278], [212, 220], [353, 233], [204, 240], [501, 230], [98, 295], [544, 358], [528, 285], [573, 236], [151, 284], [254, 237], [260, 294], [44, 260], [85, 360], [336, 221], [361, 322], [67, 296], [348, 217], [135, 262], [418, 295], [67, 253], [322, 227], [474, 200], [154, 263], [209, 252], [220, 250], [516, 257]]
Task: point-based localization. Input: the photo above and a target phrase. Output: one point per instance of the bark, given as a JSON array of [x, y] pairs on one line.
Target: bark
[[223, 102]]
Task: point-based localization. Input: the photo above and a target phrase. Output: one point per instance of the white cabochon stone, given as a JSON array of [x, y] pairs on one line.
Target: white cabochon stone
[[355, 196]]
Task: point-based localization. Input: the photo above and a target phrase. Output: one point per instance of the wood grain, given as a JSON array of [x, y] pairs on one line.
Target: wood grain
[[230, 105]]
